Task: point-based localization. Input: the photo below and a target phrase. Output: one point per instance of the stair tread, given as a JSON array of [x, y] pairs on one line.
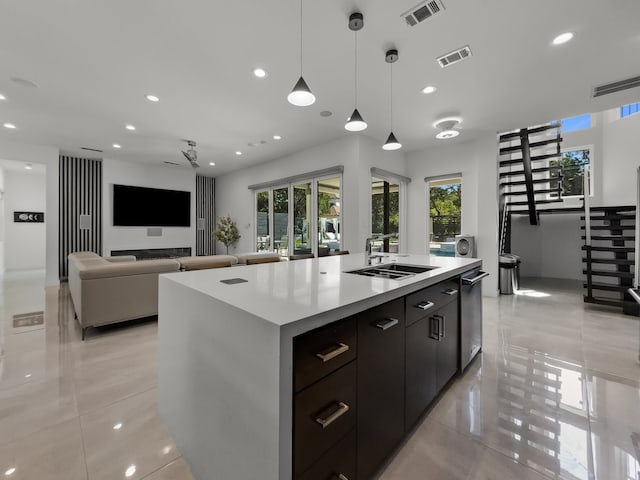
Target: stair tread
[[610, 261], [535, 158], [610, 249], [610, 227], [513, 173], [530, 131], [535, 192], [614, 216], [524, 182], [610, 273], [607, 286], [538, 202], [610, 237]]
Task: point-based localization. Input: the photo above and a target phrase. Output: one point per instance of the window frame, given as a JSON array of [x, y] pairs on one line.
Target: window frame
[[427, 203], [591, 171], [290, 183], [403, 183]]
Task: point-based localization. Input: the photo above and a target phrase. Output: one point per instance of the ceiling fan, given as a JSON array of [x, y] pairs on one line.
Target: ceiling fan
[[191, 153]]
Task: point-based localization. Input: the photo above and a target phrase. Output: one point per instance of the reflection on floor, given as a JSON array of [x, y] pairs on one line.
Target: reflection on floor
[[555, 394]]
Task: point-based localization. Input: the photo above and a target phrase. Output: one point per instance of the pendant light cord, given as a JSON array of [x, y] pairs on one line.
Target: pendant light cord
[[355, 76], [391, 97], [301, 38]]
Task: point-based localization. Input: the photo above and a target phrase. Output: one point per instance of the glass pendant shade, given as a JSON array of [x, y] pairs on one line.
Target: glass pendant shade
[[301, 95], [355, 123], [392, 143]]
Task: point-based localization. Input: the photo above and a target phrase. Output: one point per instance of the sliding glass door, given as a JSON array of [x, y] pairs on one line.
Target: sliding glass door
[[263, 239], [329, 193], [445, 215], [300, 218]]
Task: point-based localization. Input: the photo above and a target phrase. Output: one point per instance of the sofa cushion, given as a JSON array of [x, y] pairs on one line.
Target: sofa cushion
[[120, 269], [205, 262], [261, 257]]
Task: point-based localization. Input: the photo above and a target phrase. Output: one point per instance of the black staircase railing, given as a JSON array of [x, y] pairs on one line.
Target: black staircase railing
[[542, 182]]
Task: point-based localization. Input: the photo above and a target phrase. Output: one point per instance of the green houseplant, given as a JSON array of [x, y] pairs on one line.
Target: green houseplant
[[226, 231]]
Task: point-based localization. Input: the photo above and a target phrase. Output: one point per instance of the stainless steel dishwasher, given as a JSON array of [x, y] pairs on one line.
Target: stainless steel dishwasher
[[470, 315]]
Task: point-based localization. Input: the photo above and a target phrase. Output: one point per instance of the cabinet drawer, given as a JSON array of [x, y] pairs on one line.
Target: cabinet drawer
[[320, 352], [323, 414], [430, 299], [339, 463]]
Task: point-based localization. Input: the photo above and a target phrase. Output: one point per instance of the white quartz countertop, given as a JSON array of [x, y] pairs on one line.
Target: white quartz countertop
[[288, 291]]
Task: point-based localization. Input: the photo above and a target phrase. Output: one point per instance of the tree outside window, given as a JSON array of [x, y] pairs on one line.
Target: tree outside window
[[573, 163]]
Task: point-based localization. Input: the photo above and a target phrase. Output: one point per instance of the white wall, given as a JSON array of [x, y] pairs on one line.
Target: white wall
[[621, 152], [356, 152], [2, 219], [49, 157], [551, 249], [144, 175], [25, 243], [477, 161]]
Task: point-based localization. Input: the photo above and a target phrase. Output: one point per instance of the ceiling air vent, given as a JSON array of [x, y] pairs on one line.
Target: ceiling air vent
[[422, 11], [616, 86], [454, 57], [91, 149]]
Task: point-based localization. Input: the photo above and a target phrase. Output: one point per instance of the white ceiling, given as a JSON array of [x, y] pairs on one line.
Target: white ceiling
[[94, 61]]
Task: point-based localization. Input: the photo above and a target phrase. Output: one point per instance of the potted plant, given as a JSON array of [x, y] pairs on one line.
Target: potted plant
[[226, 231]]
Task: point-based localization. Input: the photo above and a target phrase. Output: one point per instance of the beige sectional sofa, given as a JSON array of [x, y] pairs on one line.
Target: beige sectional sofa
[[107, 290]]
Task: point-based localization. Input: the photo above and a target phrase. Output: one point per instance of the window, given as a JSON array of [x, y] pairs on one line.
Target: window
[[263, 240], [385, 213], [328, 215], [630, 109], [573, 163], [445, 215], [287, 215], [579, 122]]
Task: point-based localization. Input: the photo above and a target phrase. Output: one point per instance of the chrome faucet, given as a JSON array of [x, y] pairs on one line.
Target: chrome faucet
[[368, 246]]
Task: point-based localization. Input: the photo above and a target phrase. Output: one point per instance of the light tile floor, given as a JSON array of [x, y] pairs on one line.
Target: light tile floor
[[555, 394]]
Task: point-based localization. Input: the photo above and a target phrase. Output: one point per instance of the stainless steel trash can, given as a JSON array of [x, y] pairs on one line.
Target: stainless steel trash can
[[508, 279]]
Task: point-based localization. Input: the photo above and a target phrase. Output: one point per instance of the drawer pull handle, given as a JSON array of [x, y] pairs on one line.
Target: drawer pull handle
[[331, 414], [386, 324], [426, 305], [474, 280], [332, 352], [450, 291], [338, 476]]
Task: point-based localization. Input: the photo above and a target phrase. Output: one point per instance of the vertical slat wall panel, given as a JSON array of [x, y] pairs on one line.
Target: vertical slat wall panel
[[80, 194], [205, 190]]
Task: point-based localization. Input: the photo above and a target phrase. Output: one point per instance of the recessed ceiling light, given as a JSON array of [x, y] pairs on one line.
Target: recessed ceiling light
[[10, 126], [130, 127], [429, 89], [213, 164], [10, 471], [326, 113], [117, 145], [238, 152], [277, 137], [130, 471], [562, 38], [259, 72], [152, 98], [117, 426], [2, 97], [28, 375], [28, 166]]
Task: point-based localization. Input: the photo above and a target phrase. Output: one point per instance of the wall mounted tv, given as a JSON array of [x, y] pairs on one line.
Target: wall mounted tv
[[150, 207]]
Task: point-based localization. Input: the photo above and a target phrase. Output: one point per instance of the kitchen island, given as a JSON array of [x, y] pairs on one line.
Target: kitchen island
[[226, 388]]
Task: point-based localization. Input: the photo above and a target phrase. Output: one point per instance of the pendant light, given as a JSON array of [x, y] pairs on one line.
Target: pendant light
[[355, 123], [392, 142], [301, 95]]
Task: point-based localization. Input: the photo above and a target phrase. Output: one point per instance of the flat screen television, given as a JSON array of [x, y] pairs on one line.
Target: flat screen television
[[150, 207]]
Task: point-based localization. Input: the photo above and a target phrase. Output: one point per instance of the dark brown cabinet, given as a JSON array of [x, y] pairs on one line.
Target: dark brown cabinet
[[361, 383], [380, 409], [432, 344]]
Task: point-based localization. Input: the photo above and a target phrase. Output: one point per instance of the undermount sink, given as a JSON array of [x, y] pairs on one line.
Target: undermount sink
[[392, 271]]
